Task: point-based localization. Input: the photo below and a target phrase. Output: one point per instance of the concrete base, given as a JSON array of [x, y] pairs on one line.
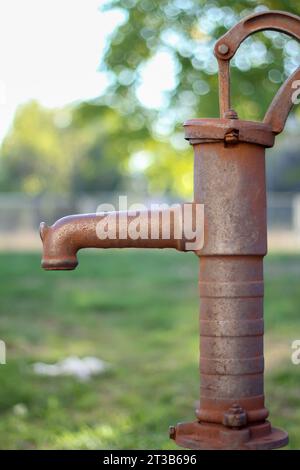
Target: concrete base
[[208, 436]]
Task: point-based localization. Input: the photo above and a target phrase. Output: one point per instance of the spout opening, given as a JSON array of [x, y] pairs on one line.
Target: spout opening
[[59, 264]]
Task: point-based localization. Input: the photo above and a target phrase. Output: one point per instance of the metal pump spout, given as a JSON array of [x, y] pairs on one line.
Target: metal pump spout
[[158, 229]]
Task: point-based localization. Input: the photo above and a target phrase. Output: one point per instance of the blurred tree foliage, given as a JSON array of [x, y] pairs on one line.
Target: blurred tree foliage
[[187, 30], [46, 150], [96, 145]]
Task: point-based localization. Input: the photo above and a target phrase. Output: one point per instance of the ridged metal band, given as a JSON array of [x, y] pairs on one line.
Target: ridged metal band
[[231, 289], [251, 365], [232, 327], [244, 385]]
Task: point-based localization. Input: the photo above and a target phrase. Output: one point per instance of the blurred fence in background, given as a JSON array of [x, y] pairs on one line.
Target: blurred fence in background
[[20, 216]]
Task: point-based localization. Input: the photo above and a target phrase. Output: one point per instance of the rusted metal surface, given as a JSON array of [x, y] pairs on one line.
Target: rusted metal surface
[[235, 417], [281, 105], [228, 44], [230, 182], [210, 436], [68, 235], [282, 21], [213, 130]]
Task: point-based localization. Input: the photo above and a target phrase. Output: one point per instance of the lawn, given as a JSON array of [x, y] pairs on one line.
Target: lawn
[[137, 311]]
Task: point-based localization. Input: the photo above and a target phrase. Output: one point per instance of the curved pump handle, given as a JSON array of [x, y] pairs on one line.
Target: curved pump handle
[[227, 46]]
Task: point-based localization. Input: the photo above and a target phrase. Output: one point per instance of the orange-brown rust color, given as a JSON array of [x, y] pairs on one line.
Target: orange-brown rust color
[[159, 229]]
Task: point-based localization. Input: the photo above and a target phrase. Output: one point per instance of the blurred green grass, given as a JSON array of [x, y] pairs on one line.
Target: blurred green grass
[[137, 311]]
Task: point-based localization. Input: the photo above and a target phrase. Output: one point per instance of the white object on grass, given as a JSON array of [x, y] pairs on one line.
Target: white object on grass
[[83, 369]]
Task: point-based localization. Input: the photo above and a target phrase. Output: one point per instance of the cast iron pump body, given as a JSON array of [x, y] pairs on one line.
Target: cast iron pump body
[[230, 181]]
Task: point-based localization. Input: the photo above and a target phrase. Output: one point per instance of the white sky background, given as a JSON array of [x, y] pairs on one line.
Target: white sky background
[[50, 51]]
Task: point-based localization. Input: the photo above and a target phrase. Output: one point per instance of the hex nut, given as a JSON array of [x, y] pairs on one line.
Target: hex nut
[[235, 417]]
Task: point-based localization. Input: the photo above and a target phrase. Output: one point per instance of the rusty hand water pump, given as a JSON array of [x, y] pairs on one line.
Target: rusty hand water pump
[[230, 182]]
